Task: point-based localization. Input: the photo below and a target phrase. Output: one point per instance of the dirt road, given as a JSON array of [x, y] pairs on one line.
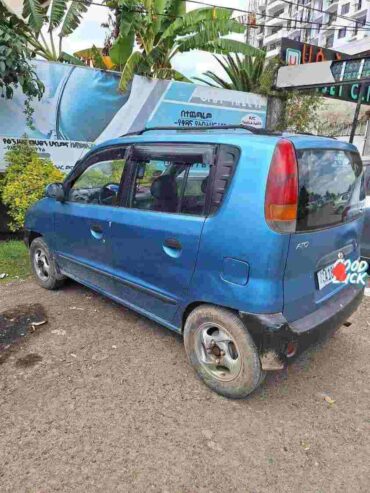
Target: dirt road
[[108, 403]]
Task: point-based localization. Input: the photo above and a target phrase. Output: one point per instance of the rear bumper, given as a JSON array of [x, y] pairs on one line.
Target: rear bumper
[[272, 332]]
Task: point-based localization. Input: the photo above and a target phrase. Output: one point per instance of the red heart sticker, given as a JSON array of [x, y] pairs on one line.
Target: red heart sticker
[[339, 272]]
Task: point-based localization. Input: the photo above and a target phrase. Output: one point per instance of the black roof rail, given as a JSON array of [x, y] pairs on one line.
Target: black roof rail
[[249, 128], [317, 135]]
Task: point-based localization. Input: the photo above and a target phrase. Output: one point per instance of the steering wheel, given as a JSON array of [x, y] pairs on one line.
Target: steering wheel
[[108, 193]]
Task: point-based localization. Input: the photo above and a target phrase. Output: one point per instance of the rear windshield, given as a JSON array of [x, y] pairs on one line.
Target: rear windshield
[[331, 187]]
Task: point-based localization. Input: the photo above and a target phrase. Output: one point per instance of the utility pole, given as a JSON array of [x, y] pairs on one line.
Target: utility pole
[[357, 111], [366, 149]]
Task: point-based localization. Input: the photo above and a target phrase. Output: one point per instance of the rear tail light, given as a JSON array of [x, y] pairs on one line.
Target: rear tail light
[[281, 200]]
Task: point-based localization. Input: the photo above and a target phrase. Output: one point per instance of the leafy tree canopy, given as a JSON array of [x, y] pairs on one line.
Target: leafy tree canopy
[[148, 35], [256, 74], [15, 67], [49, 23]]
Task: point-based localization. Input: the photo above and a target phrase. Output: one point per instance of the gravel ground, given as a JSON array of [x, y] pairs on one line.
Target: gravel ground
[[103, 400]]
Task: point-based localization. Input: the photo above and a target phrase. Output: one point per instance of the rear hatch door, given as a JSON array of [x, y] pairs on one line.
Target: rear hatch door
[[329, 222]]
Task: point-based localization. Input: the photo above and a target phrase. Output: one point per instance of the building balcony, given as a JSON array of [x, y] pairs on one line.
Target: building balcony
[[275, 5], [272, 52], [315, 15], [276, 21], [359, 12], [294, 29], [331, 6], [270, 38], [261, 5]]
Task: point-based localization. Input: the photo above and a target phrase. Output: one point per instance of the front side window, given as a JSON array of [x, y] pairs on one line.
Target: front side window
[[170, 186], [99, 183]]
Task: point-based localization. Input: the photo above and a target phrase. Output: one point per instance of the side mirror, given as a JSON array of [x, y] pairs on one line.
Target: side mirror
[[55, 191]]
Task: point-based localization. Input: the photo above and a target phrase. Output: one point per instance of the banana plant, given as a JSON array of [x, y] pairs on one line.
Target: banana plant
[[244, 73], [58, 18], [153, 32]]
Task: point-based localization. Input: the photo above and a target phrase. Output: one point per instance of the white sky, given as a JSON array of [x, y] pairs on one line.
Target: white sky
[[190, 64]]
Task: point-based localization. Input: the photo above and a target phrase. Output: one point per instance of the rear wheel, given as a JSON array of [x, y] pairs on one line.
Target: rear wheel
[[43, 265], [222, 351]]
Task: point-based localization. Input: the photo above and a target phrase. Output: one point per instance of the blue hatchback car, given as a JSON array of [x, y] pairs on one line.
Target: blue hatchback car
[[227, 236], [365, 240]]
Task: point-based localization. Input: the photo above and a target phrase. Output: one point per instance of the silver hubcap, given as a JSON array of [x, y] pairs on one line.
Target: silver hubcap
[[217, 352], [41, 264]]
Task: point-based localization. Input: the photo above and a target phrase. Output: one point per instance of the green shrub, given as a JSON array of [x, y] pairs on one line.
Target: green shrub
[[24, 181]]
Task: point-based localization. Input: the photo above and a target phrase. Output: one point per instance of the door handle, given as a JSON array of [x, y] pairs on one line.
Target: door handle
[[172, 243]]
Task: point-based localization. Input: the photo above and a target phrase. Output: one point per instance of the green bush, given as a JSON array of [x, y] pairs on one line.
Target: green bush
[[24, 181]]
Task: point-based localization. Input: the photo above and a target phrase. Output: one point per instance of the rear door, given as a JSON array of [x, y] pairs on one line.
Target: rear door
[[156, 238], [329, 222]]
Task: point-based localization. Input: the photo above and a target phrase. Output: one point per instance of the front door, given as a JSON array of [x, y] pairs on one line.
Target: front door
[[83, 222], [156, 238]]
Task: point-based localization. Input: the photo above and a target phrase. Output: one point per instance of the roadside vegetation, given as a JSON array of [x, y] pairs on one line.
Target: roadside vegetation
[[256, 74], [143, 39], [47, 25], [14, 261], [24, 181]]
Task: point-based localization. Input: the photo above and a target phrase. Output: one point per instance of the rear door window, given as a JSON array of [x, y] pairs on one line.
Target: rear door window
[[171, 177], [170, 186], [331, 187]]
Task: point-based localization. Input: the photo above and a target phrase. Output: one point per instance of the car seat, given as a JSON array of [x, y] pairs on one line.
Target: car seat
[[164, 191]]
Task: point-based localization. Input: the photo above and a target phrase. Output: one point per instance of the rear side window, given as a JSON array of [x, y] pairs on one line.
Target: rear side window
[[331, 187]]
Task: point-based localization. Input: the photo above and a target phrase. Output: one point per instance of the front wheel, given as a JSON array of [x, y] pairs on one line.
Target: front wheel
[[44, 266], [222, 351]]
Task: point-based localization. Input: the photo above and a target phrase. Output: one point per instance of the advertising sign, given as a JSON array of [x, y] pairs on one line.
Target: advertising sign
[[297, 53], [82, 107]]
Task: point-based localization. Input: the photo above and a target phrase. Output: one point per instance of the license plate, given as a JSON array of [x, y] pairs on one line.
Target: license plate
[[325, 276]]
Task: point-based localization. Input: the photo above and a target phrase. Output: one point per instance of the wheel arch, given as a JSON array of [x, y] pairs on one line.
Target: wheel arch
[[30, 236], [195, 304]]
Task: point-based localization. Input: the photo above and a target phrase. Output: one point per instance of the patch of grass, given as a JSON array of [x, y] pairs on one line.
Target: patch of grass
[[14, 260]]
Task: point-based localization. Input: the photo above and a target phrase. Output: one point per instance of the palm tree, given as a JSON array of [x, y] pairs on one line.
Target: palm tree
[[62, 16], [162, 29], [244, 73]]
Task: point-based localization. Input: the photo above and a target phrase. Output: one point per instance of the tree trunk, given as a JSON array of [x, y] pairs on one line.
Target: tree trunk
[[275, 117]]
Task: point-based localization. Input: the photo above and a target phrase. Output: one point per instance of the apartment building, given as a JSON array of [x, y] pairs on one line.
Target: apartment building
[[336, 24]]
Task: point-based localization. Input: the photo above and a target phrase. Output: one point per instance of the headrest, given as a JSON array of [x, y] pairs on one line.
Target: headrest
[[164, 187]]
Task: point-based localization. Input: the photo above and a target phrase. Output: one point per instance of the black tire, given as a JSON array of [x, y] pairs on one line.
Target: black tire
[[209, 321], [43, 265]]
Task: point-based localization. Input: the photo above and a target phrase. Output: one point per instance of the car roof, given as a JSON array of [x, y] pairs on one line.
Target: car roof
[[240, 138]]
